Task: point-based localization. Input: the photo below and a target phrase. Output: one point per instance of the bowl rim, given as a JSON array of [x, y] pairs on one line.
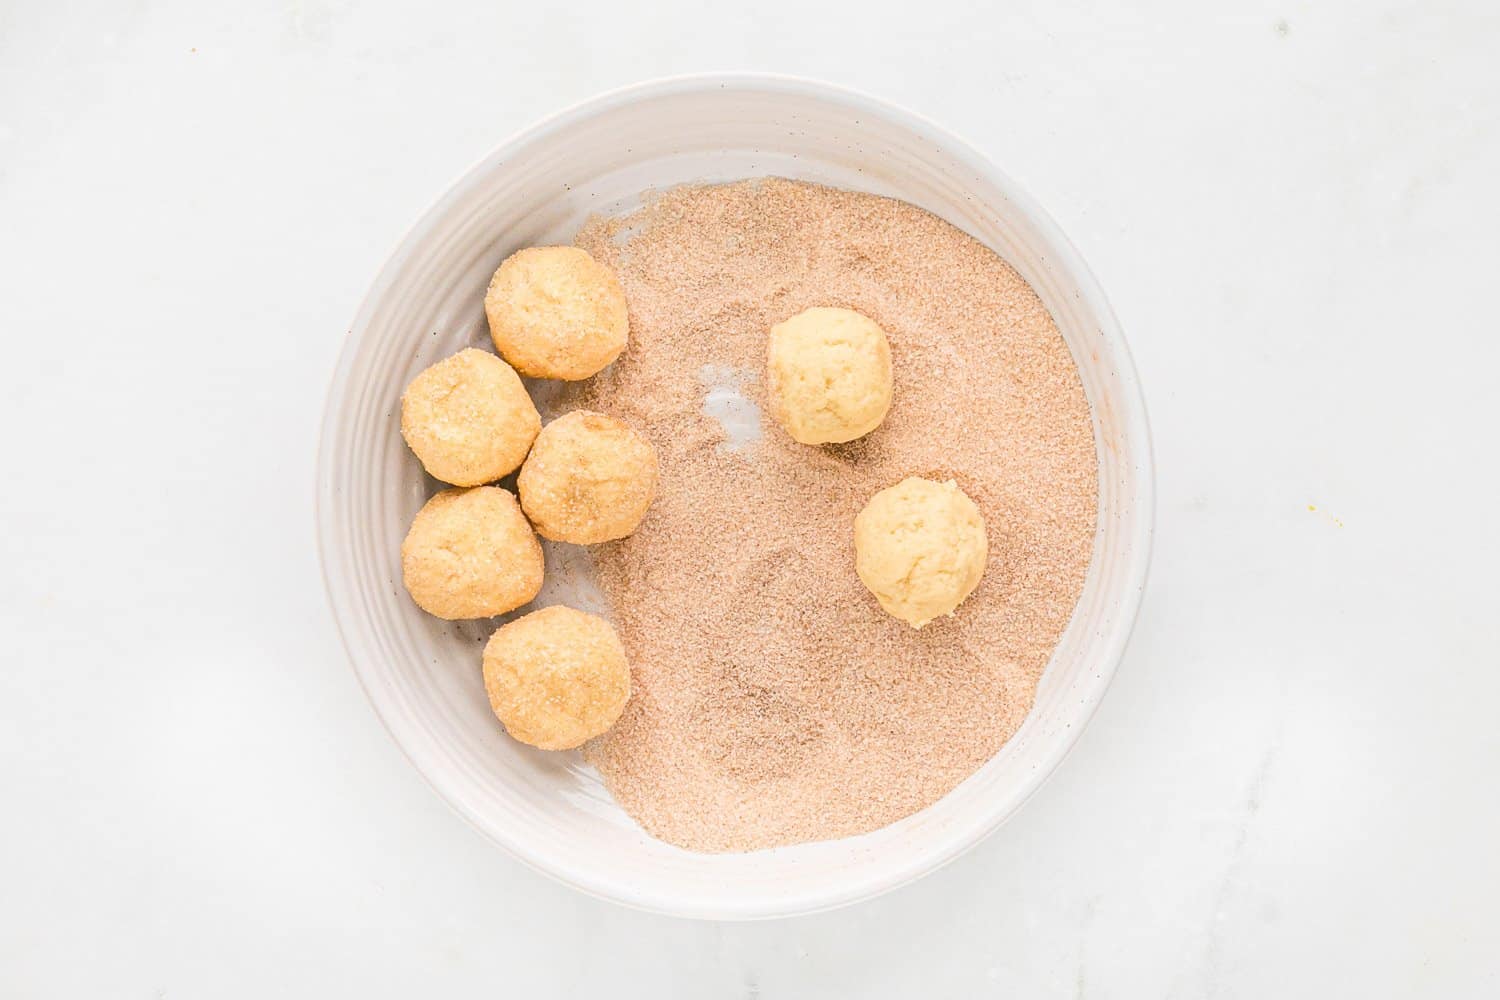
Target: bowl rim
[[1133, 415]]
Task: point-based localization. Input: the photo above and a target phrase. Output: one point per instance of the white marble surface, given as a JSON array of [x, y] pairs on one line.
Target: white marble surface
[[1290, 790]]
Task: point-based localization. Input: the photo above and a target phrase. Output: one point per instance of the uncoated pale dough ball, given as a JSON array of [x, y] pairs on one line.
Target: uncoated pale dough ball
[[556, 677], [471, 554], [920, 547], [555, 312], [589, 478], [468, 419], [828, 375]]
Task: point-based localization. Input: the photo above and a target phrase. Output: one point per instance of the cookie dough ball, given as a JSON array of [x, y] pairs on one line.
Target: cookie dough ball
[[589, 479], [920, 547], [555, 312], [468, 419], [828, 375], [556, 677], [471, 554]]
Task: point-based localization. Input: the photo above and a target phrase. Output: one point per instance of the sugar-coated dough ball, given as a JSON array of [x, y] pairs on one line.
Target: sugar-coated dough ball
[[556, 312], [471, 554], [556, 677], [589, 478], [828, 375], [468, 419], [920, 547]]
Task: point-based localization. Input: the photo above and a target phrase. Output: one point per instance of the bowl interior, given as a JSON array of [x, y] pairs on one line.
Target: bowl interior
[[422, 675]]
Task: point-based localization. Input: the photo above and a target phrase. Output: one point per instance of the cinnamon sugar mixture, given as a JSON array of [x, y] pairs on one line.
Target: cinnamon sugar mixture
[[774, 702]]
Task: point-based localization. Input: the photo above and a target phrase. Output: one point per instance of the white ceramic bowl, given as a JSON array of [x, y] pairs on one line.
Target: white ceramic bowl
[[422, 675]]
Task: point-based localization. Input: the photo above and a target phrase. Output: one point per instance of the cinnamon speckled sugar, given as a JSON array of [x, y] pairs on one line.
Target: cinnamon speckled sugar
[[774, 702]]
